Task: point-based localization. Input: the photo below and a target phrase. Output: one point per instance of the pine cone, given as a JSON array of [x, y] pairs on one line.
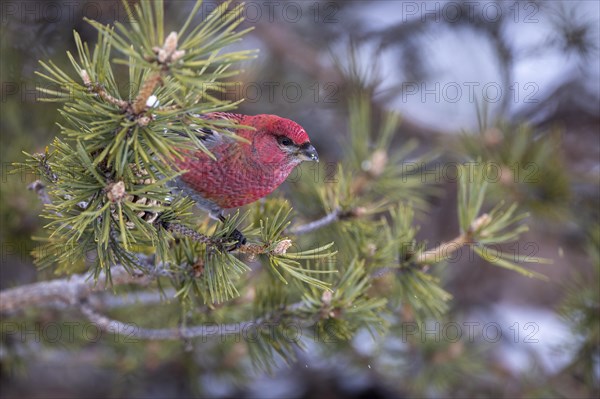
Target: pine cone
[[145, 179]]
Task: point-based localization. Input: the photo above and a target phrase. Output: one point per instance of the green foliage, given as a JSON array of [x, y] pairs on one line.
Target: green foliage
[[423, 293], [378, 174], [347, 307], [526, 165], [281, 261], [443, 366], [493, 228], [580, 309], [273, 337], [109, 203], [107, 172]]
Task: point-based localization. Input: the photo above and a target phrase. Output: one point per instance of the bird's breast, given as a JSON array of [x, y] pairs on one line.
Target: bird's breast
[[234, 181]]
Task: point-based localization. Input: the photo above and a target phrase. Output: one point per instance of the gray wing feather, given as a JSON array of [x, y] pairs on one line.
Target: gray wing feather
[[210, 137]]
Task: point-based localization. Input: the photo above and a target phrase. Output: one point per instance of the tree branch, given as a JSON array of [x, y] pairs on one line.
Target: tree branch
[[133, 331], [77, 292], [326, 220], [107, 300], [184, 231], [100, 91], [446, 249], [317, 224], [72, 290], [139, 104], [442, 251]]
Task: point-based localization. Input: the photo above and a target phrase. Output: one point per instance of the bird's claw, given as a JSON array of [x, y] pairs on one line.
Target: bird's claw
[[236, 236], [238, 239]]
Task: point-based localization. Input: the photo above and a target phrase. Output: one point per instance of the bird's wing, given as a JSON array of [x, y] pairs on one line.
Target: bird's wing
[[211, 137], [223, 115]]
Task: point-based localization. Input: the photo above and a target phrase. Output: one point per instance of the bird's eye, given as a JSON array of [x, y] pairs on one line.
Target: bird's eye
[[285, 141]]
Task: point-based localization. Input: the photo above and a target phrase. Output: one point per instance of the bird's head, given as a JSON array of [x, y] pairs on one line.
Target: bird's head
[[280, 140]]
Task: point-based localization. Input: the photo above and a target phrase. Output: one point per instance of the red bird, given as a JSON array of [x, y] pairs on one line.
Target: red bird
[[243, 172]]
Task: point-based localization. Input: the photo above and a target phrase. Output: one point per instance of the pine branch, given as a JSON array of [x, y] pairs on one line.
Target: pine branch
[[332, 217], [317, 224], [76, 291], [139, 104], [107, 299], [133, 331], [98, 89], [222, 243], [444, 250], [70, 291], [184, 231]]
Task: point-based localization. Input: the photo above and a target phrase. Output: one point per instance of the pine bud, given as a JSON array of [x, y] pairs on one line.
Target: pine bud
[[85, 77], [170, 43], [327, 297], [378, 162], [481, 222], [115, 192], [282, 247], [168, 52]]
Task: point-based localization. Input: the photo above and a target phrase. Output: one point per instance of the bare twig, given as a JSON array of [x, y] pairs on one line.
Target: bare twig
[[326, 220], [107, 299], [206, 330], [446, 249], [100, 91], [68, 291], [184, 231], [77, 290], [317, 224], [443, 250]]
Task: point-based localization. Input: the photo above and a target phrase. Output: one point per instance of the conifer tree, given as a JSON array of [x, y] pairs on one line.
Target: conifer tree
[[338, 268]]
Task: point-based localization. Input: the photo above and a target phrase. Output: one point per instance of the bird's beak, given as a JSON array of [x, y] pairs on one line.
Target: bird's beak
[[308, 153]]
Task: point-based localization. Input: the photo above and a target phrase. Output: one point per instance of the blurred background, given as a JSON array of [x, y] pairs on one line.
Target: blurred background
[[530, 69]]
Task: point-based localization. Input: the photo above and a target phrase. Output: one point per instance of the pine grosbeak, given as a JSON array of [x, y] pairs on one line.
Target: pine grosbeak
[[243, 172]]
